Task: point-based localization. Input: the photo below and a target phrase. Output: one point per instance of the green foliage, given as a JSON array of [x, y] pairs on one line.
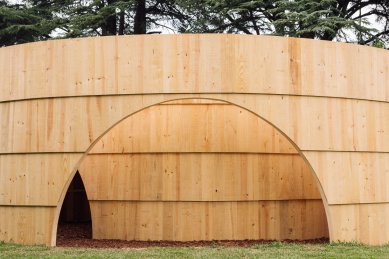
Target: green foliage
[[309, 19], [343, 20], [320, 19], [31, 21], [378, 44], [91, 18], [17, 25]]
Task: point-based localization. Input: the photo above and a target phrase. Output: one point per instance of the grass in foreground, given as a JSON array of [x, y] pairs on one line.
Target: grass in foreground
[[271, 250]]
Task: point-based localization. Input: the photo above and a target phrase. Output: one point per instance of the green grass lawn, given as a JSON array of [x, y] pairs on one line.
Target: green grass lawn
[[271, 250]]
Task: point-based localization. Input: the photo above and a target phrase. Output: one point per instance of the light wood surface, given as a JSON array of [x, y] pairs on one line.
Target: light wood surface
[[194, 101], [324, 124], [352, 177], [193, 128], [34, 179], [205, 161], [330, 100], [58, 125], [193, 64], [186, 221], [367, 223], [28, 126], [26, 225], [197, 177]]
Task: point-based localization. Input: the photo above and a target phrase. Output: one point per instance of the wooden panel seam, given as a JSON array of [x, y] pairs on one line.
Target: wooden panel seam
[[270, 200], [344, 151], [42, 153], [183, 152], [194, 152], [29, 205], [360, 203], [191, 93]]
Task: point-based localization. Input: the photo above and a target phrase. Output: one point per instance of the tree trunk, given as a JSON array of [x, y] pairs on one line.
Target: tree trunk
[[308, 35], [328, 36], [140, 17], [121, 22], [111, 21]]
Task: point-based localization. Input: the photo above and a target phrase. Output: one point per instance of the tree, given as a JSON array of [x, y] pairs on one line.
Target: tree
[[114, 17], [346, 20], [333, 19], [21, 24], [343, 20]]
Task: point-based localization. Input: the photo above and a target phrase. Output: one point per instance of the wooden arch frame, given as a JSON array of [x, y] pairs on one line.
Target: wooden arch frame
[[75, 168]]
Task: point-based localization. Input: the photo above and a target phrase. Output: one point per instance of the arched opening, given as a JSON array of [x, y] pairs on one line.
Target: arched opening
[[200, 169], [75, 221]]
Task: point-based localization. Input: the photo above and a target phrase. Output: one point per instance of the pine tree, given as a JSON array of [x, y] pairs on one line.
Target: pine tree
[[114, 17], [27, 22], [344, 20]]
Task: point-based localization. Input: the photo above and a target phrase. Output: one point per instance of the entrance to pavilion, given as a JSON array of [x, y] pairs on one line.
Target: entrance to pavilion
[[196, 169]]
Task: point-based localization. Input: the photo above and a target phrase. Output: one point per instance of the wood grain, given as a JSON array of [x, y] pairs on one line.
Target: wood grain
[[197, 177], [210, 163], [193, 64], [26, 225], [366, 223], [328, 100], [193, 128], [352, 177], [34, 179], [187, 221], [28, 126]]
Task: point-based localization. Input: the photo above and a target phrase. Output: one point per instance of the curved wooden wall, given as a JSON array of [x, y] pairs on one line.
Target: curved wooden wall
[[330, 99], [200, 170]]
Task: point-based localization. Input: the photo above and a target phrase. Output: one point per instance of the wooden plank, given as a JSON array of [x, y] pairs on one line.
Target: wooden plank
[[197, 177], [186, 221], [192, 63], [63, 125], [195, 101], [34, 179], [323, 123], [193, 128], [349, 177], [26, 225], [366, 223], [28, 126]]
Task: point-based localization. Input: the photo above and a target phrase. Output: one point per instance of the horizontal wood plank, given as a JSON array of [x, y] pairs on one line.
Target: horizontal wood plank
[[187, 221], [197, 177]]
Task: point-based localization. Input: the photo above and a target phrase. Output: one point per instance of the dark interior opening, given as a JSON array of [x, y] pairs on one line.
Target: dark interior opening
[[75, 217]]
